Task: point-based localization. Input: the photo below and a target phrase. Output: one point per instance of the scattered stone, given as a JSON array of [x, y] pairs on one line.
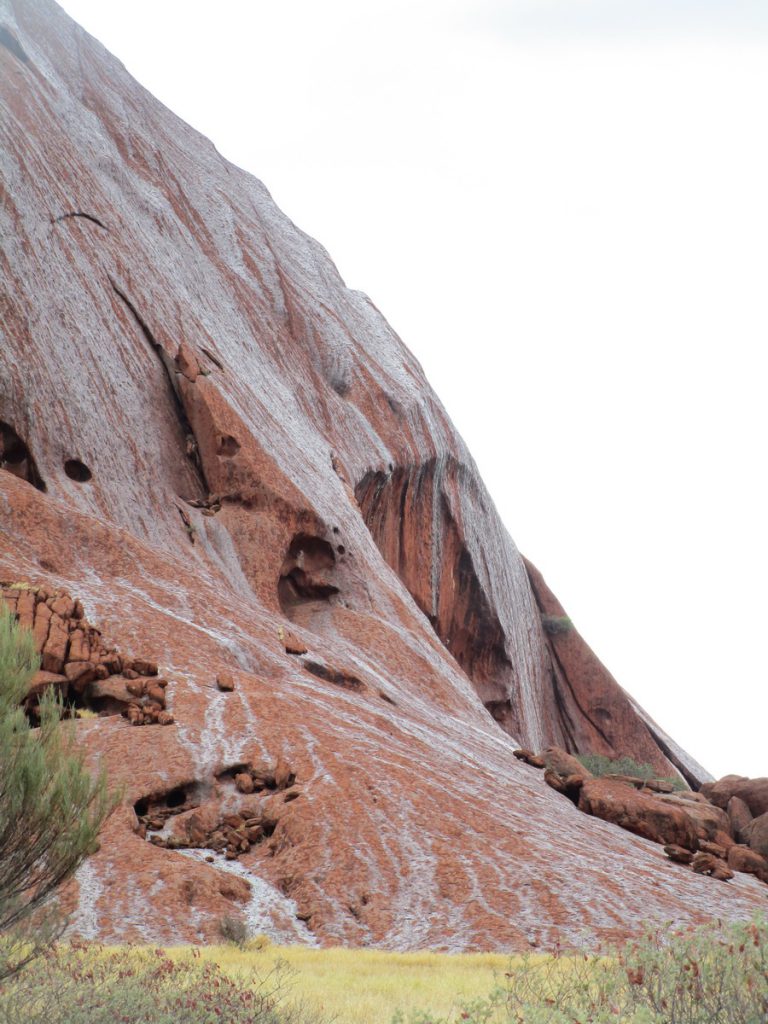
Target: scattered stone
[[225, 682], [678, 854], [706, 864]]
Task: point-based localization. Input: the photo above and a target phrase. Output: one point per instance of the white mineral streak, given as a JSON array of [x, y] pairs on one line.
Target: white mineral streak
[[268, 912], [85, 920]]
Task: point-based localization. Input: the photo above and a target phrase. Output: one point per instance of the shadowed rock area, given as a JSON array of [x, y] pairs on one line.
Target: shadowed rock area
[[232, 468]]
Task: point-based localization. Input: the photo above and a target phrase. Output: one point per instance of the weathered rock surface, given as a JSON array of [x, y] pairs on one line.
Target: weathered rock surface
[[645, 814], [231, 465]]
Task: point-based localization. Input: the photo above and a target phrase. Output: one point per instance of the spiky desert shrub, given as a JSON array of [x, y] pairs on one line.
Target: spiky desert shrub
[[687, 976], [86, 983]]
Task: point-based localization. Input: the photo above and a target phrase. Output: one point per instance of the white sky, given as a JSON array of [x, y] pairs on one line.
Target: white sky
[[562, 207]]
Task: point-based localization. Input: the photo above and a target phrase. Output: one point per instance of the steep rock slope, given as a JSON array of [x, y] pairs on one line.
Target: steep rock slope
[[233, 464]]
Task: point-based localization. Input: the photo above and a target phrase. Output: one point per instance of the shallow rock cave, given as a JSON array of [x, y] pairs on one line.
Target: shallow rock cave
[[16, 458], [308, 574]]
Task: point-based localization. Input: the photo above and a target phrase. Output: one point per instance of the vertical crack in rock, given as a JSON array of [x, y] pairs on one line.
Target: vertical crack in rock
[[169, 369], [408, 516]]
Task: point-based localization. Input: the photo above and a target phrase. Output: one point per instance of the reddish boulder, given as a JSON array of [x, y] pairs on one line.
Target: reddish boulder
[[679, 854], [225, 682], [756, 834], [563, 764], [741, 858], [707, 819], [754, 792], [740, 817], [638, 812], [529, 757], [706, 864]]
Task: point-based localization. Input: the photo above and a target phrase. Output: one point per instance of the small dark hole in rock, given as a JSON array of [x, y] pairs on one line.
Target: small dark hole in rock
[[176, 797], [141, 807], [335, 529], [228, 445], [77, 470], [341, 549], [387, 698]]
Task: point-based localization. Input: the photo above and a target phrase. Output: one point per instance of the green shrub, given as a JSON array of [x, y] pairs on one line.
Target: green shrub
[[599, 765], [554, 624], [706, 975], [51, 809], [87, 983]]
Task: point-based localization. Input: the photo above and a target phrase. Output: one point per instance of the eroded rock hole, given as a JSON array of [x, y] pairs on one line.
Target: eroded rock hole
[[78, 471], [16, 458], [307, 574], [340, 677], [228, 445]]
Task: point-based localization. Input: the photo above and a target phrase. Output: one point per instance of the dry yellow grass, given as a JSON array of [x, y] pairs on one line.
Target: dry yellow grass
[[355, 986]]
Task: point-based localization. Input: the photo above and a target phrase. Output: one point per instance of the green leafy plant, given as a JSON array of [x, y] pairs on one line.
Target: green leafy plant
[[51, 808]]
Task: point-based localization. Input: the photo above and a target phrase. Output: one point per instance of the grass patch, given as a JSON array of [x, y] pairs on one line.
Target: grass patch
[[360, 986]]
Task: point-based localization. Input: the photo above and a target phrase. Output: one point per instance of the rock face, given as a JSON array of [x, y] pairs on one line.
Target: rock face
[[229, 463]]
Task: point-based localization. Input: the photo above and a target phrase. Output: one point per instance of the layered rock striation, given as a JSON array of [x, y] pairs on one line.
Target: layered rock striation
[[234, 469]]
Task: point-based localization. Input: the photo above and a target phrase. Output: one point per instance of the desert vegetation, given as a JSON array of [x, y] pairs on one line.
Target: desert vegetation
[[668, 976], [51, 807], [599, 765]]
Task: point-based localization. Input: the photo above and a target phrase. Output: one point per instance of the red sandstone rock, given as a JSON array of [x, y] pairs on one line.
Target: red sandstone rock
[[638, 812], [128, 235], [707, 864], [564, 764], [225, 682], [679, 854], [741, 858], [740, 817], [754, 792], [708, 819], [756, 834]]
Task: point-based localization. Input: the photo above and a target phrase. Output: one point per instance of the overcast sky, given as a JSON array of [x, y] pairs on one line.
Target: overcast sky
[[562, 208]]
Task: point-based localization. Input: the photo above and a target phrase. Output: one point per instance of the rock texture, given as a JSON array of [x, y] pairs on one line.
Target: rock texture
[[232, 467]]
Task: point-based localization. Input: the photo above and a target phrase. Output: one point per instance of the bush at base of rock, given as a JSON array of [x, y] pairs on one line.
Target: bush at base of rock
[[600, 765], [85, 983]]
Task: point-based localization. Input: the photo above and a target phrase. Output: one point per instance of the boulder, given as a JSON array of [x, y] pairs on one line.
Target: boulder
[[740, 817], [707, 864], [754, 792], [528, 756], [679, 854], [563, 764], [707, 818], [756, 835], [225, 682], [741, 858], [644, 814]]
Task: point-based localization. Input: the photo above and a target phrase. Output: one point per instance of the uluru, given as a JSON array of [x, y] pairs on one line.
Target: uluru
[[264, 573]]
